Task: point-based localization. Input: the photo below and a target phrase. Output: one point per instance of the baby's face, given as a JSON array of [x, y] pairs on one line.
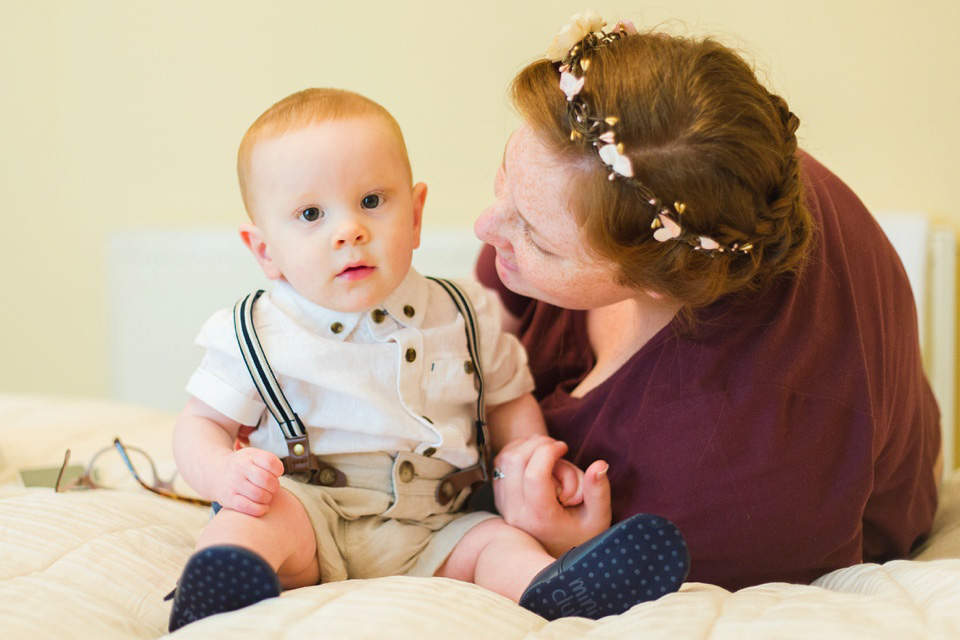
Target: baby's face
[[336, 209]]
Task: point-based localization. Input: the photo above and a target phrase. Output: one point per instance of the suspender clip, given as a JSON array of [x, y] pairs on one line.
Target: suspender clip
[[308, 467]]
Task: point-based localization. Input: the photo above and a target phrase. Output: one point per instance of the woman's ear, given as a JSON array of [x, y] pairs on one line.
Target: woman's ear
[[253, 239]]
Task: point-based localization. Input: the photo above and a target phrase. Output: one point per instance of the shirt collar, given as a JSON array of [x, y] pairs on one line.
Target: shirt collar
[[408, 302], [406, 305]]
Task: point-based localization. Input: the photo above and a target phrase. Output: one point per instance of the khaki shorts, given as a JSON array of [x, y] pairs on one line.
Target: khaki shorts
[[387, 521]]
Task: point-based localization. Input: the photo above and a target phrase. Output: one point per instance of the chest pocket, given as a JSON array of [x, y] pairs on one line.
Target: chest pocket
[[451, 380]]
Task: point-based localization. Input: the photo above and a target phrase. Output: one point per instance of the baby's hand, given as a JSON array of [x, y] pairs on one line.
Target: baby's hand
[[248, 480], [568, 479]]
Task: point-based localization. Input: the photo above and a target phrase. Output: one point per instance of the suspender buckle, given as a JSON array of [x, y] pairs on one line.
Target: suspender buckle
[[308, 467], [452, 484]]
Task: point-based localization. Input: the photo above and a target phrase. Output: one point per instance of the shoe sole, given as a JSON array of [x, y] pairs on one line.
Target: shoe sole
[[637, 560], [220, 579]]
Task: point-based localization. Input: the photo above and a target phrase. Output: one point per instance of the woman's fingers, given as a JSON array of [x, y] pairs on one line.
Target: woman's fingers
[[523, 448], [538, 474], [514, 459], [515, 491]]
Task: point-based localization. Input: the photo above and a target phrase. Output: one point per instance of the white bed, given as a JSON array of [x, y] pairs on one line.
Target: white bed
[[97, 564]]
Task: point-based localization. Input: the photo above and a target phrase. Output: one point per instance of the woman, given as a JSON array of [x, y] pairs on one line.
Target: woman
[[707, 309]]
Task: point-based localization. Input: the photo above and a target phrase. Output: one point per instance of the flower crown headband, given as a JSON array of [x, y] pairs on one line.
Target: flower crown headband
[[581, 35]]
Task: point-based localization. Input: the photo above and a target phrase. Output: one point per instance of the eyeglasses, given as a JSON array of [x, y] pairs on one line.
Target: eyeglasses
[[88, 479]]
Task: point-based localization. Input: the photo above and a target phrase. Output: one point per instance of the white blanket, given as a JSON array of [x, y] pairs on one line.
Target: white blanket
[[97, 564]]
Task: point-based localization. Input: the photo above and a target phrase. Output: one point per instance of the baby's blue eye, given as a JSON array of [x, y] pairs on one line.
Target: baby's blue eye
[[371, 201], [311, 214]]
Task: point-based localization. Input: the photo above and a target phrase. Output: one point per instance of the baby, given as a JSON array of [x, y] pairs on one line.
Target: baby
[[361, 382]]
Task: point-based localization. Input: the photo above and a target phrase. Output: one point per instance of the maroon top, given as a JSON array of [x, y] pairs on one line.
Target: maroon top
[[788, 435]]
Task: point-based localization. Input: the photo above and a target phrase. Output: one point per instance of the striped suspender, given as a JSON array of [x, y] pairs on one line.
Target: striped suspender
[[299, 461], [473, 346], [260, 370]]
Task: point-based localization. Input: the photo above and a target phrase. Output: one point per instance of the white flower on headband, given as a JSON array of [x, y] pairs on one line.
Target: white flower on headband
[[616, 160], [580, 25], [709, 244], [627, 27], [668, 231], [570, 84]]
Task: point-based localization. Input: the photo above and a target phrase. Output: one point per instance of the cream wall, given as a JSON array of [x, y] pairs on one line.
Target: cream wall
[[127, 113]]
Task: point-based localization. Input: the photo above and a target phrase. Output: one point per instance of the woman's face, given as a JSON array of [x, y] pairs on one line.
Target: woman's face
[[540, 251]]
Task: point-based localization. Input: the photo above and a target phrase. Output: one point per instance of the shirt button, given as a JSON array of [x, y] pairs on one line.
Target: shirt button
[[405, 471], [468, 366], [410, 355], [408, 311], [336, 327], [378, 315]]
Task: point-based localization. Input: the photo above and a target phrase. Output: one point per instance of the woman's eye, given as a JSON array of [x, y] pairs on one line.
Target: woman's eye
[[533, 243], [371, 201], [311, 214]]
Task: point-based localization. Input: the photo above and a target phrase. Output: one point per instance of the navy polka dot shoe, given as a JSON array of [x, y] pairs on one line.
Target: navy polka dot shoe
[[218, 579], [639, 559]]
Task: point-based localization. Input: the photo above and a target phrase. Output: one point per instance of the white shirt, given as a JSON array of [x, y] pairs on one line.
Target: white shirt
[[359, 385]]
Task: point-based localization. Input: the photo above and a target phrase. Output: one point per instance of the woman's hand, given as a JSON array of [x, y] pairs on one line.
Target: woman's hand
[[248, 479], [526, 495]]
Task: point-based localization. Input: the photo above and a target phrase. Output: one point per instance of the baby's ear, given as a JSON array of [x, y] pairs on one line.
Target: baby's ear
[[254, 241], [419, 198]]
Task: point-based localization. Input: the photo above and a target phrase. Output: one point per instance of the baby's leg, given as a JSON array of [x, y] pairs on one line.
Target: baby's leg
[[241, 560], [497, 557], [636, 560], [283, 536]]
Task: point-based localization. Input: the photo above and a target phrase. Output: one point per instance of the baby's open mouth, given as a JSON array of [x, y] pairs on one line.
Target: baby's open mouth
[[356, 271]]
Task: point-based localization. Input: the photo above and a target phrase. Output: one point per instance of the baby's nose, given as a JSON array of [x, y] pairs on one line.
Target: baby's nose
[[350, 233]]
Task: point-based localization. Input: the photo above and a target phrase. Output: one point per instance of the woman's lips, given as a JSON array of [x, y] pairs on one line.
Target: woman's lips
[[505, 262]]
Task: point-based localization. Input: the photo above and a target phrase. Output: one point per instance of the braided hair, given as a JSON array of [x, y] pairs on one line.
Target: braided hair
[[699, 129]]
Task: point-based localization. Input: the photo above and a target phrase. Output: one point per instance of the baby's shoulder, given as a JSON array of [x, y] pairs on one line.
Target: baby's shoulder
[[220, 329]]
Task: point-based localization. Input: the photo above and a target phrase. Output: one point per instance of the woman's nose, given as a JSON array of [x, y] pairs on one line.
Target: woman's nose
[[488, 225]]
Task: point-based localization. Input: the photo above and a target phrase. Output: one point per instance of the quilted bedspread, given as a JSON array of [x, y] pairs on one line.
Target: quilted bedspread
[[96, 564]]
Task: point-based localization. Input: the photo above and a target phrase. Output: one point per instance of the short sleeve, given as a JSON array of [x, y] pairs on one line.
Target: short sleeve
[[506, 375], [222, 380]]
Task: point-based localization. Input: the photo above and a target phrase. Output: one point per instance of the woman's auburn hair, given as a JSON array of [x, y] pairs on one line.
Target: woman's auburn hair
[[700, 129]]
